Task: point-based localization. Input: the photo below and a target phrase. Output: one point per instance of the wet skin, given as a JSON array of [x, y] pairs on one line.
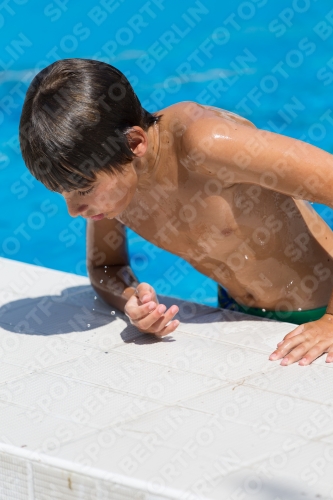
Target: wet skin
[[228, 198]]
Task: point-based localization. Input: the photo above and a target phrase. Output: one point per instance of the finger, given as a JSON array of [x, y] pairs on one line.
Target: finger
[[148, 323], [329, 357], [315, 352], [137, 312], [162, 319], [144, 292], [298, 352], [168, 329], [161, 323], [287, 345], [291, 334]]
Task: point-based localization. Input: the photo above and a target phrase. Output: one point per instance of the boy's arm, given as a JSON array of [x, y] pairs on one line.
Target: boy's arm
[[108, 262], [280, 163], [223, 148], [114, 280]]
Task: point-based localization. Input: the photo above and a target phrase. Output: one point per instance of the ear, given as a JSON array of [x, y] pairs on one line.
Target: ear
[[137, 140]]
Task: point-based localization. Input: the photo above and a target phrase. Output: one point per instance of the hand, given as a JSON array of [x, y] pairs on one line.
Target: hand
[[145, 312], [307, 342]]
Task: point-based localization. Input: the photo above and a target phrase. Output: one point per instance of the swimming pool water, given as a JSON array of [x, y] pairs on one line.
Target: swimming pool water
[[268, 61]]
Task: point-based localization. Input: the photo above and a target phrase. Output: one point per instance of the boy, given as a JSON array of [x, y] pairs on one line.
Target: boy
[[197, 181]]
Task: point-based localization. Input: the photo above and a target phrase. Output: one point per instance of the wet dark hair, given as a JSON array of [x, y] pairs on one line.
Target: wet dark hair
[[74, 121]]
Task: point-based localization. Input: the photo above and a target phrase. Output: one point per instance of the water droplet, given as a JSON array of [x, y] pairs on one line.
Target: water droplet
[[113, 312], [93, 309], [88, 325], [95, 298], [289, 284], [101, 281], [299, 309], [263, 310]]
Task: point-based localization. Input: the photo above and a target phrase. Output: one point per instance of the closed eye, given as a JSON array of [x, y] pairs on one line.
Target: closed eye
[[83, 193]]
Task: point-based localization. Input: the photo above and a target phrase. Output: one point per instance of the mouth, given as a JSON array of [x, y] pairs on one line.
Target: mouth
[[96, 217]]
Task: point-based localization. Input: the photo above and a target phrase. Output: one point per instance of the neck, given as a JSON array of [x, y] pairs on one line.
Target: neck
[[146, 165]]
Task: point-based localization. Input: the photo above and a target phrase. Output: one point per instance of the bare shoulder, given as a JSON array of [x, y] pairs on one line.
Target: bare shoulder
[[203, 122]]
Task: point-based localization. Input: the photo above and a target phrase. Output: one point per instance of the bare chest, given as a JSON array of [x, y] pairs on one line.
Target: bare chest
[[189, 220], [204, 218]]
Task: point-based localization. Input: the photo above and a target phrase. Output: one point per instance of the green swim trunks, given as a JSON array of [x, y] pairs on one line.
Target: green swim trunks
[[227, 302]]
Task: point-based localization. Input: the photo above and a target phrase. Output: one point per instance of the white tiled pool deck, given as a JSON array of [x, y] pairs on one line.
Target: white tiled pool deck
[[92, 409]]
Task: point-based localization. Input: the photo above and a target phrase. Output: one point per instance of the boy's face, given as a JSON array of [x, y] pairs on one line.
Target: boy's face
[[107, 197]]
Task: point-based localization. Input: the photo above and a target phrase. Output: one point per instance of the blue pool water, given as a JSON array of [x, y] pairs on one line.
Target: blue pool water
[[254, 58]]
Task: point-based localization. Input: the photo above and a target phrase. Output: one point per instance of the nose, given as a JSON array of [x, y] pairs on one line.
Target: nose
[[75, 210]]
